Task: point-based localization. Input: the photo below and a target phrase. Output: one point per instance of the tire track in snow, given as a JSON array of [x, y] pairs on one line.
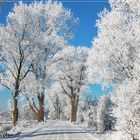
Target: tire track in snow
[[90, 135], [84, 133]]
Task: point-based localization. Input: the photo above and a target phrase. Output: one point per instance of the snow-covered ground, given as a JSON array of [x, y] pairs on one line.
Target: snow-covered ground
[[54, 130]]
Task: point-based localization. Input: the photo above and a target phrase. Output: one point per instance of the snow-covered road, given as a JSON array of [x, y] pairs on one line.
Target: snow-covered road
[[55, 130]]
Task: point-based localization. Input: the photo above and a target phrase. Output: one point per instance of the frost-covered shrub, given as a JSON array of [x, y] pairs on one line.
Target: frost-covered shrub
[[105, 118], [5, 120], [1, 129], [88, 112]]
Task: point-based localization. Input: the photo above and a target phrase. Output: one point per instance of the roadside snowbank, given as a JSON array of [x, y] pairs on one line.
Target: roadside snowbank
[[115, 135]]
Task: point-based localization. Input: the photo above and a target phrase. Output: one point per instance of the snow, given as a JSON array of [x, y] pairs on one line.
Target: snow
[[116, 135], [60, 130], [54, 130]]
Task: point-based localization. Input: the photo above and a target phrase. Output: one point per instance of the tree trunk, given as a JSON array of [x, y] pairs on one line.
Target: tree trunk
[[15, 111], [40, 113], [57, 115], [74, 108]]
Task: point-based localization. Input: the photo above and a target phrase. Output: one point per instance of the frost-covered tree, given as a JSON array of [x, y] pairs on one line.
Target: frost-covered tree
[[55, 25], [117, 45], [33, 34], [115, 57], [71, 74], [105, 119], [20, 37], [58, 102]]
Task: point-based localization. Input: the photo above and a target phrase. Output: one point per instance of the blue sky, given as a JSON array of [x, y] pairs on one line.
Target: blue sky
[[87, 12]]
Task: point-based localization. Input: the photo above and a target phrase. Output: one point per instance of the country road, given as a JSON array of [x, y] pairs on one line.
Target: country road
[[55, 130]]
